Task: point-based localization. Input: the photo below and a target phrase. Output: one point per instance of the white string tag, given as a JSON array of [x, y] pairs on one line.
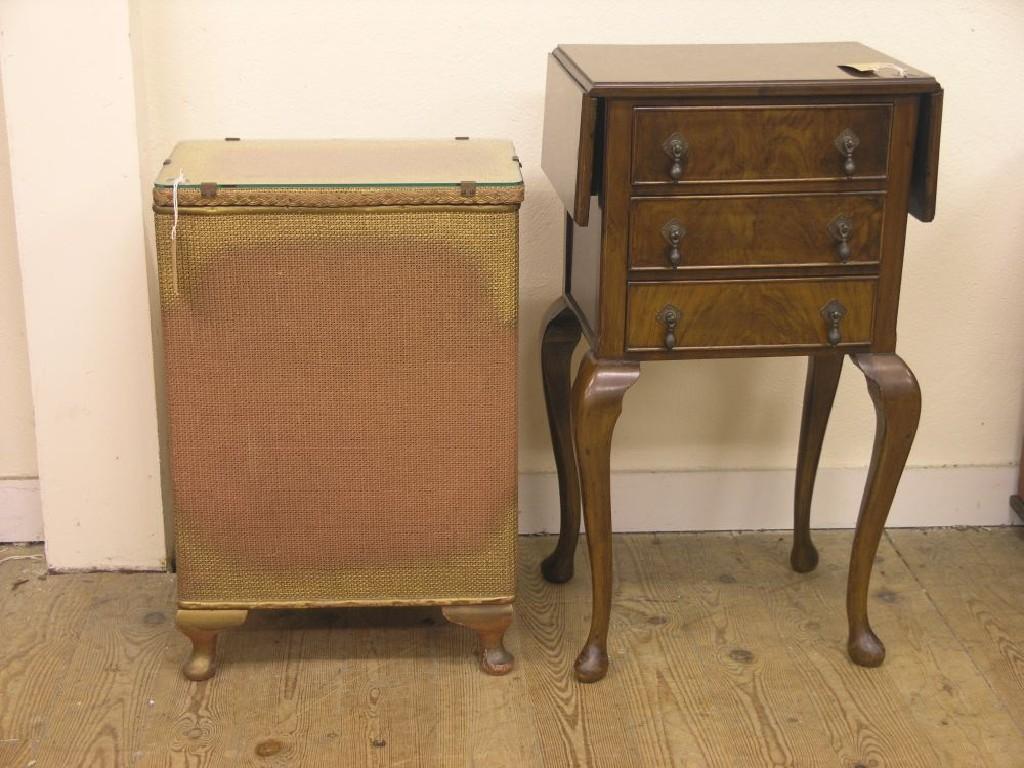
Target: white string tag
[[174, 231]]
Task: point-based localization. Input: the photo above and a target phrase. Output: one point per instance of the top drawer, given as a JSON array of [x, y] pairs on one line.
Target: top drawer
[[680, 145]]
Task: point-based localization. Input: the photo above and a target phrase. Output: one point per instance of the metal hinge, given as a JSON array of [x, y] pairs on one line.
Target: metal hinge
[[208, 189], [467, 188]]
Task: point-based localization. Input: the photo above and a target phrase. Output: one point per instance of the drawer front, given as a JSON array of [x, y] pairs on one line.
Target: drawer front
[[760, 143], [749, 313], [720, 231]]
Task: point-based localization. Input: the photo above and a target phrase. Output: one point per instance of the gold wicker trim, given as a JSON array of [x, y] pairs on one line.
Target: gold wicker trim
[[339, 197], [220, 210], [301, 604]]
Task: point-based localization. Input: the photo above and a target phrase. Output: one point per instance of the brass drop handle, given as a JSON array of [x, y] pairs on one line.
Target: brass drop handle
[[846, 142], [833, 313], [676, 148], [673, 232], [669, 316], [841, 229]]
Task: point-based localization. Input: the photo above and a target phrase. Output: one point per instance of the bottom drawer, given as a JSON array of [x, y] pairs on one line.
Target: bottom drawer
[[750, 313]]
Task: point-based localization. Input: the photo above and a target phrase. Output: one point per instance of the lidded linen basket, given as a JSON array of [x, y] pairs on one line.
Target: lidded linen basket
[[339, 334]]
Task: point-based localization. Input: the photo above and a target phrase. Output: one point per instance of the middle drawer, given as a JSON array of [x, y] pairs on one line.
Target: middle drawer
[[754, 230]]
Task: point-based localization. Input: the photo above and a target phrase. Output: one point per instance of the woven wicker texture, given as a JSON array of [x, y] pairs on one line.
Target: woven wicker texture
[[341, 396]]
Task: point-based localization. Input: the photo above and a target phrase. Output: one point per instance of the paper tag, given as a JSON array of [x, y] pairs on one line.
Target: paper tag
[[878, 68]]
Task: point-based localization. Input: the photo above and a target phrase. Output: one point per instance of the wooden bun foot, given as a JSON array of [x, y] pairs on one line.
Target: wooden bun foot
[[592, 664], [496, 661], [202, 628], [804, 557], [200, 662], [865, 649], [489, 622], [556, 568]]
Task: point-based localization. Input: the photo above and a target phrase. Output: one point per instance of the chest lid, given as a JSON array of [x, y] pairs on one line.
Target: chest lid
[[341, 173]]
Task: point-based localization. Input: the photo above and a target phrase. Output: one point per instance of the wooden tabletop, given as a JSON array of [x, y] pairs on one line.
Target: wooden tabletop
[[606, 70]]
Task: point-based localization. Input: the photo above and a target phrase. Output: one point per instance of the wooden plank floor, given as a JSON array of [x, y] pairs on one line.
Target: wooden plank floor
[[721, 656]]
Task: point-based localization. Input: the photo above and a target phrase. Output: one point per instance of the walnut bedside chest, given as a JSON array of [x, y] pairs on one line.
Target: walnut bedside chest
[[729, 201]]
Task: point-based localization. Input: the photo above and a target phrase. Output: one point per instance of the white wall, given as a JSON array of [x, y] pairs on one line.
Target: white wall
[[17, 437], [21, 517], [70, 108], [312, 68]]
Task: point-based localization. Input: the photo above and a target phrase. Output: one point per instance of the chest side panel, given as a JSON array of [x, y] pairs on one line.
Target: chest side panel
[[568, 146]]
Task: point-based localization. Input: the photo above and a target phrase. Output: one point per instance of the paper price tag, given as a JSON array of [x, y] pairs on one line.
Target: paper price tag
[[877, 68]]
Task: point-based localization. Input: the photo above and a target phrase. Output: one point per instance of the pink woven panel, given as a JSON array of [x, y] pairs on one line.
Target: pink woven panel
[[341, 393]]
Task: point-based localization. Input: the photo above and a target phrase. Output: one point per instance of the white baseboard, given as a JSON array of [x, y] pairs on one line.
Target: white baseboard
[[702, 500], [21, 514], [763, 499]]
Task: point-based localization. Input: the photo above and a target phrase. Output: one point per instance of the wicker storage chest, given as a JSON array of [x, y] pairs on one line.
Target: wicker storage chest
[[339, 332]]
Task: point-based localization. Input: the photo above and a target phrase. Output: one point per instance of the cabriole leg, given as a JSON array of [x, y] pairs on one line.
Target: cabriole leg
[[897, 399], [596, 404], [561, 335], [819, 393]]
